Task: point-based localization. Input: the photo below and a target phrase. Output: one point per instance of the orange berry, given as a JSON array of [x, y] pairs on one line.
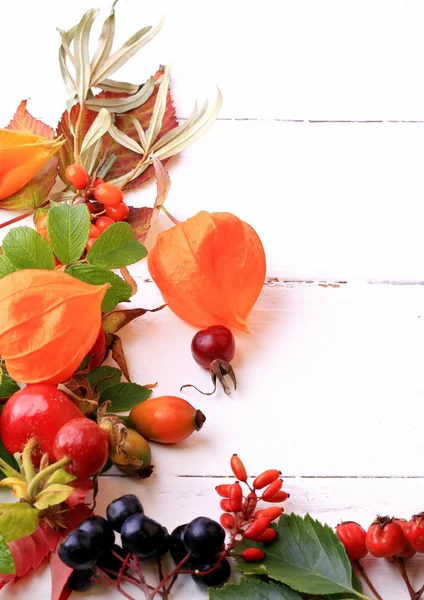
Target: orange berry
[[235, 497], [266, 478], [119, 212], [273, 512], [252, 555], [257, 528], [268, 535], [238, 468], [272, 489], [94, 231], [90, 243], [225, 505], [103, 223], [227, 521], [98, 181], [279, 497], [108, 194], [78, 176], [223, 490]]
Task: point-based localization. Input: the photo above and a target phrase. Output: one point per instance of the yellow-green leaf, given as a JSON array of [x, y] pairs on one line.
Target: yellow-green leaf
[[17, 520], [19, 487], [53, 494]]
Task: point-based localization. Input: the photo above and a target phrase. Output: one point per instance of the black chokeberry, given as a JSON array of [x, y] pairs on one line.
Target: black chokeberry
[[120, 509], [81, 581], [111, 562], [220, 574], [204, 537], [79, 550], [177, 547], [101, 531], [143, 536]]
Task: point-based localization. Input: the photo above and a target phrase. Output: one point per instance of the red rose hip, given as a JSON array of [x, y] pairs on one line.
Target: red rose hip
[[352, 536], [85, 444], [214, 342]]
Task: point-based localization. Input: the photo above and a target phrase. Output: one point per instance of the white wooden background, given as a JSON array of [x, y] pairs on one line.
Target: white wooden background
[[319, 146]]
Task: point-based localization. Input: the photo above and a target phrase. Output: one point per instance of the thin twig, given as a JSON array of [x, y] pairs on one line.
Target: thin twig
[[76, 136], [367, 579], [143, 582], [419, 593], [170, 575], [400, 563], [24, 215], [110, 583]]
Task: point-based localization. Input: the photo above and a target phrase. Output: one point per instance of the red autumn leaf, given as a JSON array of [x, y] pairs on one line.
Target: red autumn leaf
[[82, 488], [141, 219], [24, 121], [29, 552], [126, 159]]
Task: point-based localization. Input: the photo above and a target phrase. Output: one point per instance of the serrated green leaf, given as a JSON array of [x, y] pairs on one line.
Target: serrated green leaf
[[124, 396], [119, 290], [307, 556], [7, 564], [53, 494], [116, 247], [25, 248], [68, 228], [104, 377], [253, 589], [6, 266], [17, 520]]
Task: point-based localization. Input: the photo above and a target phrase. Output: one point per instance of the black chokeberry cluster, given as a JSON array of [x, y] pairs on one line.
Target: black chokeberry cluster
[[93, 543]]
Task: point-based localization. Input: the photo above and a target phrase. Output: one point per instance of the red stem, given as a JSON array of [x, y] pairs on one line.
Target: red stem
[[24, 216], [170, 575], [122, 569], [111, 584], [419, 593], [400, 563], [367, 579]]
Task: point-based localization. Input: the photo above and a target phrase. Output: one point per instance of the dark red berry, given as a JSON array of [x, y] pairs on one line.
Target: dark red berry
[[214, 342]]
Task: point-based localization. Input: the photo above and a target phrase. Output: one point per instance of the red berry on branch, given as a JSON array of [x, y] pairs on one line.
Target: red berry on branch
[[90, 243], [279, 497], [385, 538], [227, 521], [94, 231], [108, 194], [257, 528], [272, 489], [268, 536], [225, 505], [408, 552], [415, 532], [252, 555], [77, 176], [266, 478], [250, 504], [352, 536], [273, 512], [238, 468], [98, 181], [119, 212], [103, 223], [223, 490], [235, 497]]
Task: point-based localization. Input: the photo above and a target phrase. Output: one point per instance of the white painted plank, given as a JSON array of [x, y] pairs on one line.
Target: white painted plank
[[337, 201], [176, 500], [288, 60]]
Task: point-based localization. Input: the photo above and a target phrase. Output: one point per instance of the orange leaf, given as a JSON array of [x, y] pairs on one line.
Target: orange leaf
[[24, 121], [210, 269], [126, 159], [22, 156], [48, 323]]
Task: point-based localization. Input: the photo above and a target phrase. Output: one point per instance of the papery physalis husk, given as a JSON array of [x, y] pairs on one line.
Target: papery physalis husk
[[210, 269], [48, 323], [22, 155]]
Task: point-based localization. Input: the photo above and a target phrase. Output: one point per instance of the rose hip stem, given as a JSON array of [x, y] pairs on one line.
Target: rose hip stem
[[367, 579], [419, 593], [400, 563]]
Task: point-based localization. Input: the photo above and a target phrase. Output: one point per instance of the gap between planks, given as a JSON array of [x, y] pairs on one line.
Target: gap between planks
[[333, 283], [286, 477]]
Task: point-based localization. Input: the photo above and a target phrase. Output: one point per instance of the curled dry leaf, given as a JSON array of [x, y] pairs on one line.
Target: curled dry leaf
[[114, 343], [210, 269], [116, 320], [48, 323]]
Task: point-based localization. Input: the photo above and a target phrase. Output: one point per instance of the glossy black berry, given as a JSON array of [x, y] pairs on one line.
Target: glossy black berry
[[220, 575], [101, 531], [120, 509], [143, 536], [177, 547], [79, 550], [111, 562], [204, 537], [81, 581]]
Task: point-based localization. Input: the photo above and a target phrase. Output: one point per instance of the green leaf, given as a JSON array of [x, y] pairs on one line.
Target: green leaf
[[108, 465], [69, 229], [307, 556], [17, 520], [124, 396], [104, 377], [7, 564], [4, 454], [116, 247], [119, 290], [53, 494], [6, 266], [25, 248], [7, 386], [61, 476], [254, 589]]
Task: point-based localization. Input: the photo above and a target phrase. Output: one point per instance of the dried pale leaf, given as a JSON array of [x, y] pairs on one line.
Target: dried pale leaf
[[122, 105], [141, 134], [67, 39], [116, 320], [104, 44], [121, 56], [63, 196], [129, 279], [170, 135], [82, 53], [68, 80], [106, 167], [110, 85], [120, 181], [159, 109], [123, 139], [90, 157], [118, 354], [98, 128], [191, 134]]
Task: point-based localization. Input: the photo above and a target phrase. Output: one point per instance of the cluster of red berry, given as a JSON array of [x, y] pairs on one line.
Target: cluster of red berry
[[241, 516], [108, 195]]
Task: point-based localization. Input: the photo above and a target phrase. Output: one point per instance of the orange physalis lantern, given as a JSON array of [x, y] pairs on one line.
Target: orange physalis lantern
[[48, 322], [210, 269], [22, 156]]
